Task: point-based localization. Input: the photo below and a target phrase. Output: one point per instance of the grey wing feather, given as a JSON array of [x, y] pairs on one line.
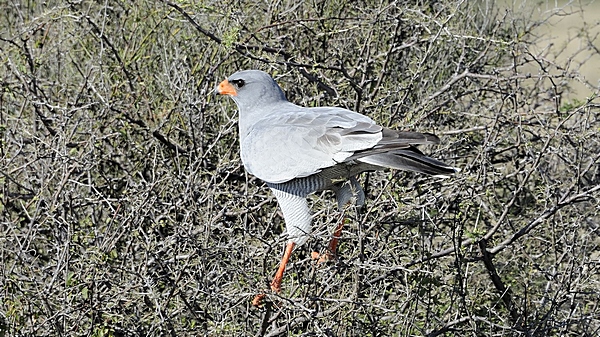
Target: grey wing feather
[[301, 142]]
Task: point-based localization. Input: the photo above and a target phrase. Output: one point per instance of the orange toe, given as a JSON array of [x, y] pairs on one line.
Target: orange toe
[[322, 258], [258, 300]]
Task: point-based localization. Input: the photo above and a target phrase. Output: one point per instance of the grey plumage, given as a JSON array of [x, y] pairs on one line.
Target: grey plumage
[[298, 151]]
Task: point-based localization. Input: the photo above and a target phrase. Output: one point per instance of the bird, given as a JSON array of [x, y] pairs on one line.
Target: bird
[[300, 150]]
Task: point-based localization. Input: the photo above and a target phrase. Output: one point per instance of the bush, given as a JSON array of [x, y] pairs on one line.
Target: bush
[[126, 210]]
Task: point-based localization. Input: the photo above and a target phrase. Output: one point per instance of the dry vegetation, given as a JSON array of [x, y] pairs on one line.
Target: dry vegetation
[[125, 211]]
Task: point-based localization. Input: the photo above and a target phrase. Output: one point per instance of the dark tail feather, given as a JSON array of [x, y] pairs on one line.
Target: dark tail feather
[[407, 137], [409, 160]]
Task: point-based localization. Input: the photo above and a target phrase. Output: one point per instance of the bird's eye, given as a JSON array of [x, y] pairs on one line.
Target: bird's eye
[[238, 83]]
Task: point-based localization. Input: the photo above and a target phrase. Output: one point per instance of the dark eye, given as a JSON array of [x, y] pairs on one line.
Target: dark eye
[[238, 83]]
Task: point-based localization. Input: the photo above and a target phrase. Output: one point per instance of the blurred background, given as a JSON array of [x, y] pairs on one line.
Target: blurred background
[[570, 31]]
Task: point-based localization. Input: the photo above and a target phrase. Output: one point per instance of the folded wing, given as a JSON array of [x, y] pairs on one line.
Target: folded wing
[[303, 141]]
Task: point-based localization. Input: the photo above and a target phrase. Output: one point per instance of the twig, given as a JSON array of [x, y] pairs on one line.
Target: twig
[[505, 292], [576, 198]]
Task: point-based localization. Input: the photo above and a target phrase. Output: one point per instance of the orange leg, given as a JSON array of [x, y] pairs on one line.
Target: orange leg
[[336, 236], [331, 250], [276, 283]]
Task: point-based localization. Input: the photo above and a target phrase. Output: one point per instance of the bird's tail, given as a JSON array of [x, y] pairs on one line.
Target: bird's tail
[[410, 159]]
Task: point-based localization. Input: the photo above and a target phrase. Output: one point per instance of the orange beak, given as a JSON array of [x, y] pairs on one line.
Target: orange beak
[[225, 88]]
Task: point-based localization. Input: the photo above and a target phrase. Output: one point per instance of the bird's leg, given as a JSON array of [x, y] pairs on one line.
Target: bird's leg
[[331, 250], [344, 194], [336, 236], [276, 283]]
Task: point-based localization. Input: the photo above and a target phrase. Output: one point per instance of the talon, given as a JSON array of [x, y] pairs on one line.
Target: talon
[[322, 258], [258, 300]]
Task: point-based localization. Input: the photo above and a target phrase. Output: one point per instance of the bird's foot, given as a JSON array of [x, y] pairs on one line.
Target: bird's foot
[[322, 258], [275, 287], [258, 300]]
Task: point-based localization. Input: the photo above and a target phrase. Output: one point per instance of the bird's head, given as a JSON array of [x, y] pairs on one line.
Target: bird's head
[[251, 88]]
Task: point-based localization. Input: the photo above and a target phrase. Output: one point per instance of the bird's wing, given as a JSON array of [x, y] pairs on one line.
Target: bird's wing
[[297, 143]]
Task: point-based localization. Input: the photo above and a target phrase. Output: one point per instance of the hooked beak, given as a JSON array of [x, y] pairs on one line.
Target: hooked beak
[[225, 88]]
